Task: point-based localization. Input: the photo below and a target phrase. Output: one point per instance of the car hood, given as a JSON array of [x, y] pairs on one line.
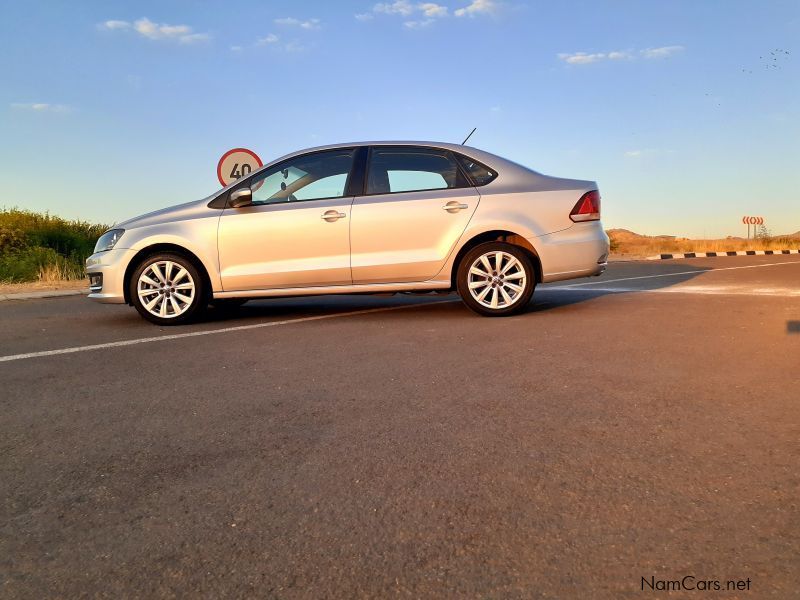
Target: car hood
[[180, 212]]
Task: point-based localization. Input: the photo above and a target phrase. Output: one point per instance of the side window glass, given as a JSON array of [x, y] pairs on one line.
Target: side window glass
[[408, 169], [311, 177], [479, 173]]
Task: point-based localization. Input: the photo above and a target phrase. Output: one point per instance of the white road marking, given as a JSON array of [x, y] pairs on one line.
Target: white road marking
[[178, 336], [711, 290], [695, 272]]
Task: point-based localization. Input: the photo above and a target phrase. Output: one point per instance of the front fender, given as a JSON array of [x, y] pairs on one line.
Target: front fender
[[198, 236]]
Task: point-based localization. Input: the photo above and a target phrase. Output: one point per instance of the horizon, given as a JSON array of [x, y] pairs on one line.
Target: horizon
[[684, 113]]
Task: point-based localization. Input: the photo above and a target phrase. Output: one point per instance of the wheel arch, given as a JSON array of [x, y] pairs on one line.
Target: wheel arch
[[497, 235], [164, 247]]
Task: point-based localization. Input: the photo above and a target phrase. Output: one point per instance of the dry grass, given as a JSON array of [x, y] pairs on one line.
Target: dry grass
[[626, 243], [60, 271]]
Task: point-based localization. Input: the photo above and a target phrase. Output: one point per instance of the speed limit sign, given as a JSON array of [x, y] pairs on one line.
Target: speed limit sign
[[237, 163]]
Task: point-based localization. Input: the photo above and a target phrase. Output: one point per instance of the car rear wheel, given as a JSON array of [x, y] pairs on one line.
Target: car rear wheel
[[496, 279], [167, 289]]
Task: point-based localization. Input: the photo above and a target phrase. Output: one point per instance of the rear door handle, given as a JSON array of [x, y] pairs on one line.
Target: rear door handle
[[454, 206], [332, 215]]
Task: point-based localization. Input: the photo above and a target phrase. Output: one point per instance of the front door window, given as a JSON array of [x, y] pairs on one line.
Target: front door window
[[314, 176]]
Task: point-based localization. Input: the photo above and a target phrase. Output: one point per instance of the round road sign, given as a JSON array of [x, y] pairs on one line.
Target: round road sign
[[237, 163]]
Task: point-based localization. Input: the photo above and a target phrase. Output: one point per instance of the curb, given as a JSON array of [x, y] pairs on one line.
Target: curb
[[37, 295], [710, 254]]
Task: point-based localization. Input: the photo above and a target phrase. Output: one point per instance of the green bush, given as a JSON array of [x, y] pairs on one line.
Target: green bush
[[35, 246]]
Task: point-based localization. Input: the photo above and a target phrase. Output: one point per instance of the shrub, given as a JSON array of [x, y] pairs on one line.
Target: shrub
[[35, 246]]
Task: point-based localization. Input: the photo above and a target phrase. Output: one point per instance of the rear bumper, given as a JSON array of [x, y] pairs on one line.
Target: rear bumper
[[578, 251], [106, 271]]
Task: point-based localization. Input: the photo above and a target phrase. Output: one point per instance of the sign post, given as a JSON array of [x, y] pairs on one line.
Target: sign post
[[236, 163], [752, 221]]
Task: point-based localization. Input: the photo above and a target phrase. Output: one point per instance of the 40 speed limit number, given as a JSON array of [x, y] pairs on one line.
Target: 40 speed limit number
[[237, 163]]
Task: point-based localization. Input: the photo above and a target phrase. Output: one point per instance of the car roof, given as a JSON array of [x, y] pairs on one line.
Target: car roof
[[491, 160]]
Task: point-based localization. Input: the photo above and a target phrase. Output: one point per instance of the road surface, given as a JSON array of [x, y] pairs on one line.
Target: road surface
[[639, 425]]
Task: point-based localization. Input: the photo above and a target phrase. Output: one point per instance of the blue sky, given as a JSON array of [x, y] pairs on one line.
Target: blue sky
[[685, 112]]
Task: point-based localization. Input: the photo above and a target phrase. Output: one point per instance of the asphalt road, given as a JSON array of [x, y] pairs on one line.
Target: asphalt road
[[641, 424]]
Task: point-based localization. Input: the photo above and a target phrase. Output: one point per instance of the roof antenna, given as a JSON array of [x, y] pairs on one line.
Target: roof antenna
[[469, 136]]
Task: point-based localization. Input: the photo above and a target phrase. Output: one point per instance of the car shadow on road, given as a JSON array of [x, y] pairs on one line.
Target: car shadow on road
[[626, 279], [630, 278]]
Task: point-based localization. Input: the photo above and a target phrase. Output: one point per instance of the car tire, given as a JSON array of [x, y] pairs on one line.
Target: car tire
[[491, 291], [167, 289]]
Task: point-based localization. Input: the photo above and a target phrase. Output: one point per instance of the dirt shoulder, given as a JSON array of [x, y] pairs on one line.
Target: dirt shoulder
[[42, 286]]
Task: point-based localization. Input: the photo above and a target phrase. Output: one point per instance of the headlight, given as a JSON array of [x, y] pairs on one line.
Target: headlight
[[108, 240]]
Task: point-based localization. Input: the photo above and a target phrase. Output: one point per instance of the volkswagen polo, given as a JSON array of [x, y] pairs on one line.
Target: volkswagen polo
[[370, 217]]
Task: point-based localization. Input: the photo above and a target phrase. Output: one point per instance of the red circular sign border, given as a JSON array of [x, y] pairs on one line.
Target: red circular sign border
[[227, 154]]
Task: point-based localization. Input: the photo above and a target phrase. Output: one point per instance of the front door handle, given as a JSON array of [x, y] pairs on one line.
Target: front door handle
[[454, 206], [333, 215]]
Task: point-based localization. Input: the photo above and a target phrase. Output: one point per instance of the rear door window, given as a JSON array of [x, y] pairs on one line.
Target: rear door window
[[409, 169]]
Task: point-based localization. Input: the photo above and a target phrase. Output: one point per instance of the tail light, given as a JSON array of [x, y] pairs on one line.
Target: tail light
[[587, 208]]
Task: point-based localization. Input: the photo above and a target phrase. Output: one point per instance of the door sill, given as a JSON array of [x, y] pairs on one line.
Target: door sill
[[363, 288]]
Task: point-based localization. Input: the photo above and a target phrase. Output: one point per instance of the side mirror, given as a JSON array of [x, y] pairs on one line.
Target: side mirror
[[241, 197]]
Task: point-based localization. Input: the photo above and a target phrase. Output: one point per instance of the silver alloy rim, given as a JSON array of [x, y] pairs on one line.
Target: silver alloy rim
[[165, 289], [496, 279]]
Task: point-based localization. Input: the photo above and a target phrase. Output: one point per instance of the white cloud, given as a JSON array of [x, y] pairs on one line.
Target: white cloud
[[292, 22], [433, 10], [157, 31], [400, 7], [477, 7], [112, 25], [270, 38], [662, 52], [295, 46], [236, 48], [40, 107], [191, 38], [587, 58], [643, 152], [274, 42], [417, 24], [582, 58], [422, 14]]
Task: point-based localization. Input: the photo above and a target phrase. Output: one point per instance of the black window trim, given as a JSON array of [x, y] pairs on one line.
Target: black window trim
[[467, 178], [221, 201]]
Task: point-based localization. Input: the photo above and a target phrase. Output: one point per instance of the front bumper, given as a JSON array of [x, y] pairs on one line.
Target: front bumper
[[106, 271]]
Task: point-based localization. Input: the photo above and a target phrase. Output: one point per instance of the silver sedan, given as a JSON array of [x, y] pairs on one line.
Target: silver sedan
[[369, 217]]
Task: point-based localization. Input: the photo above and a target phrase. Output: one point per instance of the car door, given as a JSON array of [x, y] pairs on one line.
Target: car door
[[416, 205], [296, 233]]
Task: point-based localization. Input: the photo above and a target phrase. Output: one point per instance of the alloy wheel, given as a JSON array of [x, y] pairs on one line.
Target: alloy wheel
[[496, 280], [166, 289]]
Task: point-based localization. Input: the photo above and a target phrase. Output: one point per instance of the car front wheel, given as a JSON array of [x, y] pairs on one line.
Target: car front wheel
[[167, 289], [496, 279]]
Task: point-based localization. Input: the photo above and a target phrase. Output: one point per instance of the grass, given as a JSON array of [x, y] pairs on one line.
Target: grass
[[42, 247]]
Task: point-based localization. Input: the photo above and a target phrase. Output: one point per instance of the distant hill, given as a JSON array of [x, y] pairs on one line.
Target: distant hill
[[626, 235]]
